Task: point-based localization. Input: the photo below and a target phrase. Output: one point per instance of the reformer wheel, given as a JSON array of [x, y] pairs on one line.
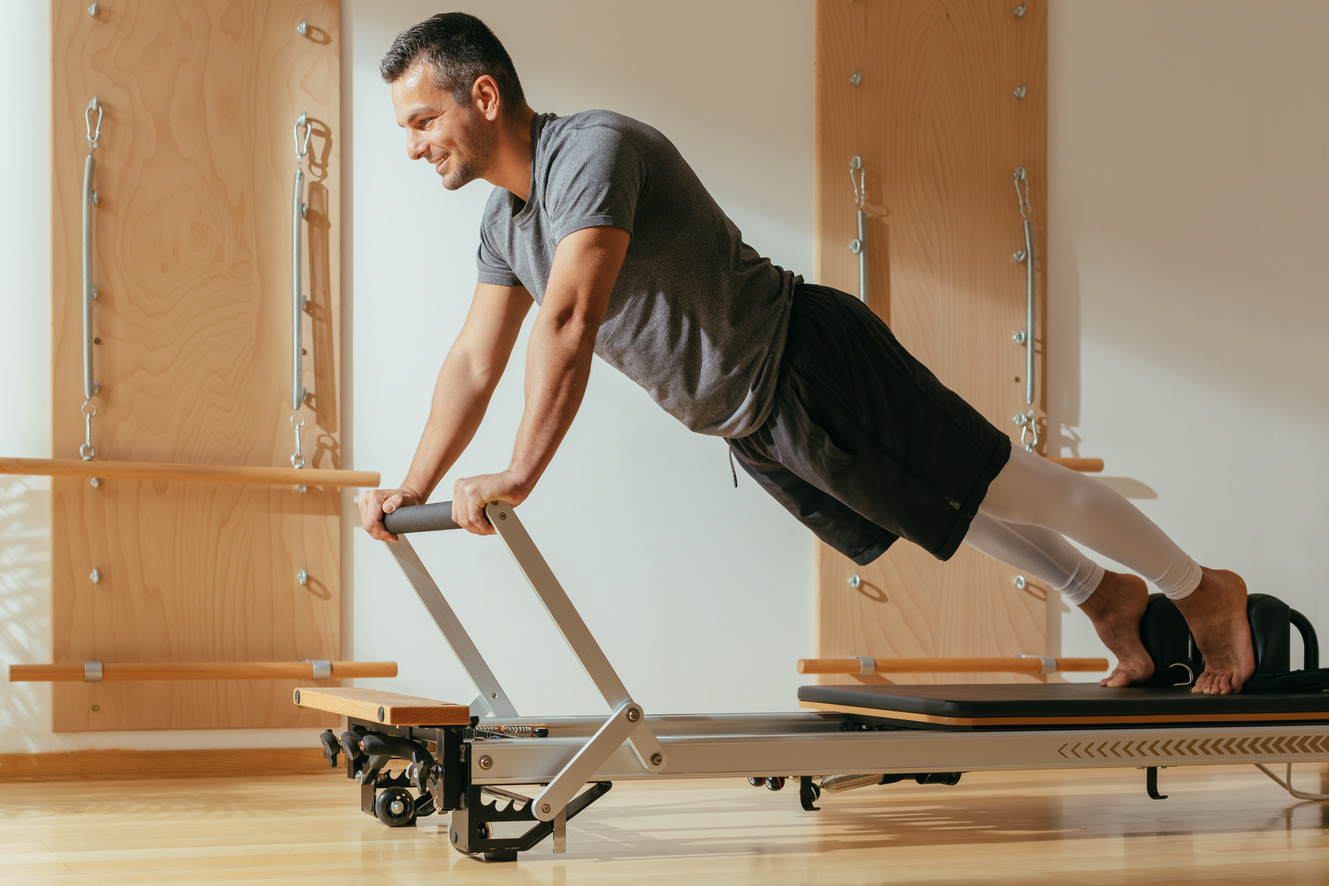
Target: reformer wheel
[[774, 782], [395, 807]]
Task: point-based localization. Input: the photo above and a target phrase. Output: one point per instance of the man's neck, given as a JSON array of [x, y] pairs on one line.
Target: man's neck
[[512, 169]]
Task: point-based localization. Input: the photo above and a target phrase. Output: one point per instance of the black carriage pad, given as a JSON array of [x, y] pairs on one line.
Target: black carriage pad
[[1057, 706]]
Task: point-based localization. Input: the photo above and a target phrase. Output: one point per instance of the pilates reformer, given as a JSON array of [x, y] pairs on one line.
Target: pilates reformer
[[470, 759]]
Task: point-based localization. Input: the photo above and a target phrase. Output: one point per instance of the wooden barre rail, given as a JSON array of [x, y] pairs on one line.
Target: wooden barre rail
[[129, 470], [1033, 664], [1083, 465], [202, 670]]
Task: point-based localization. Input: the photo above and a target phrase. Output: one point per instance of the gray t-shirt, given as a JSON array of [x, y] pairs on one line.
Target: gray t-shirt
[[696, 317]]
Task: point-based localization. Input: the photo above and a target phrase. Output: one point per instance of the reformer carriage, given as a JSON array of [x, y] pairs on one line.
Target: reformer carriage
[[468, 759]]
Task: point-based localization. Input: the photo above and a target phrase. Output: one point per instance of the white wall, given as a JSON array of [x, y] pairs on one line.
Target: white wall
[[692, 586], [1189, 249], [698, 592], [1189, 146]]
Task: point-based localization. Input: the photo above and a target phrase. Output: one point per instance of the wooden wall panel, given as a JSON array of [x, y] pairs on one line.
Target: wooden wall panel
[[192, 255], [941, 134]]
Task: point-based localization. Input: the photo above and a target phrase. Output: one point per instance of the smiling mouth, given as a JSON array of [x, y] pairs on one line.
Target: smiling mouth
[[438, 164]]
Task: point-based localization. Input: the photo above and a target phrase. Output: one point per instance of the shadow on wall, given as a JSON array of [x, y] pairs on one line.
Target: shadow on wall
[[1062, 333], [25, 612]]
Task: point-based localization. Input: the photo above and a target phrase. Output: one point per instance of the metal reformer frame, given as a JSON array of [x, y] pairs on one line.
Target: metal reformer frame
[[468, 769]]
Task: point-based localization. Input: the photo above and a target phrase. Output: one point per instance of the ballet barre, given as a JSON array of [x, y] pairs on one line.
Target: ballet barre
[[1083, 465], [114, 672], [1023, 664], [239, 474]]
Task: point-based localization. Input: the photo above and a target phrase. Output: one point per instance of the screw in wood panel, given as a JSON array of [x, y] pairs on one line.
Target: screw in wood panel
[[1020, 91]]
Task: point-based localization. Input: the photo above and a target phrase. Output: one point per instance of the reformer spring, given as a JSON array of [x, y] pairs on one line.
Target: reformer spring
[[510, 731]]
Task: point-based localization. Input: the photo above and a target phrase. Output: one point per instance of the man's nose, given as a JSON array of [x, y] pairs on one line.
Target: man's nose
[[415, 145]]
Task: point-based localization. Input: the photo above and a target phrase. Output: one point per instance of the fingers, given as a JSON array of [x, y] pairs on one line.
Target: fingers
[[468, 509], [374, 504]]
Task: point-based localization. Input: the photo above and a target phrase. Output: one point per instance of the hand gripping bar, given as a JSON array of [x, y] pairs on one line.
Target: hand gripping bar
[[420, 518]]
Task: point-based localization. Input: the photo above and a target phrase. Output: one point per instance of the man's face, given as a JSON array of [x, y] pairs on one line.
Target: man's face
[[455, 139]]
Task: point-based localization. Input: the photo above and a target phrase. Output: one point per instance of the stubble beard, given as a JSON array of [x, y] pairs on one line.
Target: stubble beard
[[473, 160]]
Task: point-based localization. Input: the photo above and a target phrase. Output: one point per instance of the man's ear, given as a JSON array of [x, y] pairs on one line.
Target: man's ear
[[485, 97]]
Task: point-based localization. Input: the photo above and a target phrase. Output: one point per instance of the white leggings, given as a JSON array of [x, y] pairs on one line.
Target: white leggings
[[1033, 506]]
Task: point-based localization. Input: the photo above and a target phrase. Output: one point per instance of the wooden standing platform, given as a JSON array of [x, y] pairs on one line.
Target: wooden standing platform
[[389, 708]]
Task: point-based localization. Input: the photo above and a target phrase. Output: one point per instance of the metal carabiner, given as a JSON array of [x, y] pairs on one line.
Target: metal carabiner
[[859, 182], [302, 148], [1022, 197], [93, 134]]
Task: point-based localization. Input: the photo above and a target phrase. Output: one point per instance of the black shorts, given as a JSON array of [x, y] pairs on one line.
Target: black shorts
[[864, 445]]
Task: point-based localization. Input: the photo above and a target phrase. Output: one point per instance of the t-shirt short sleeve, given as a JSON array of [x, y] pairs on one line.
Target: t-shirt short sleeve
[[491, 263], [490, 266], [594, 181]]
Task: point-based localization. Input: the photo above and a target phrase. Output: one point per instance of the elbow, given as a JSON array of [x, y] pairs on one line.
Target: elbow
[[573, 327]]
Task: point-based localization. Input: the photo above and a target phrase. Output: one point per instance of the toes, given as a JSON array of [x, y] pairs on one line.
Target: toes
[[1211, 683]]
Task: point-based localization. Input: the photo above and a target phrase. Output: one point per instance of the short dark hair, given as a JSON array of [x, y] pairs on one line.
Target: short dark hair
[[460, 48]]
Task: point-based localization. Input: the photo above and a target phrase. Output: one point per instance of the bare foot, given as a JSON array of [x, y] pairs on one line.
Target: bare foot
[[1216, 614], [1115, 608]]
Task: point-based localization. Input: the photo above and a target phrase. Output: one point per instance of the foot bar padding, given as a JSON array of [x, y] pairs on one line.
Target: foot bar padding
[[389, 708]]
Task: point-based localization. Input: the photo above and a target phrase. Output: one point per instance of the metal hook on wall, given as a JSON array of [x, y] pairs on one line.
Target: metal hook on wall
[[299, 209], [1027, 421], [858, 246]]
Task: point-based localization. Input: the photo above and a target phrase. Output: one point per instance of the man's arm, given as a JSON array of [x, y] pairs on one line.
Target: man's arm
[[461, 395], [558, 364]]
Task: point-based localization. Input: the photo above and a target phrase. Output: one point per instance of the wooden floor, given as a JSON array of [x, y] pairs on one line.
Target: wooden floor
[[1221, 825]]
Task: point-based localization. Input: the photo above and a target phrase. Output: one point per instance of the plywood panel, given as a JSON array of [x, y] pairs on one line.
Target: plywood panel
[[192, 256], [940, 131]]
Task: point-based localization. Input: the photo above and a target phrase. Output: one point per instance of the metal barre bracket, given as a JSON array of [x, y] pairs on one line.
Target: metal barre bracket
[[1049, 663]]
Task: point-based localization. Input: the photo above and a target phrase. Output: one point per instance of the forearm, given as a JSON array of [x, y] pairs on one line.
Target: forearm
[[558, 366], [461, 396]]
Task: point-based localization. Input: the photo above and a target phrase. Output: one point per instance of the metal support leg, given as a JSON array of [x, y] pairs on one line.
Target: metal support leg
[[460, 641], [582, 767]]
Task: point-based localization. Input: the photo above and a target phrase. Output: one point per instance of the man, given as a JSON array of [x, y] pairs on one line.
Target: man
[[597, 218]]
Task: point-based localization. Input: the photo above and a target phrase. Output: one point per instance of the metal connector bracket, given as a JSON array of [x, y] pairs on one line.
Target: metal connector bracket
[[586, 762]]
